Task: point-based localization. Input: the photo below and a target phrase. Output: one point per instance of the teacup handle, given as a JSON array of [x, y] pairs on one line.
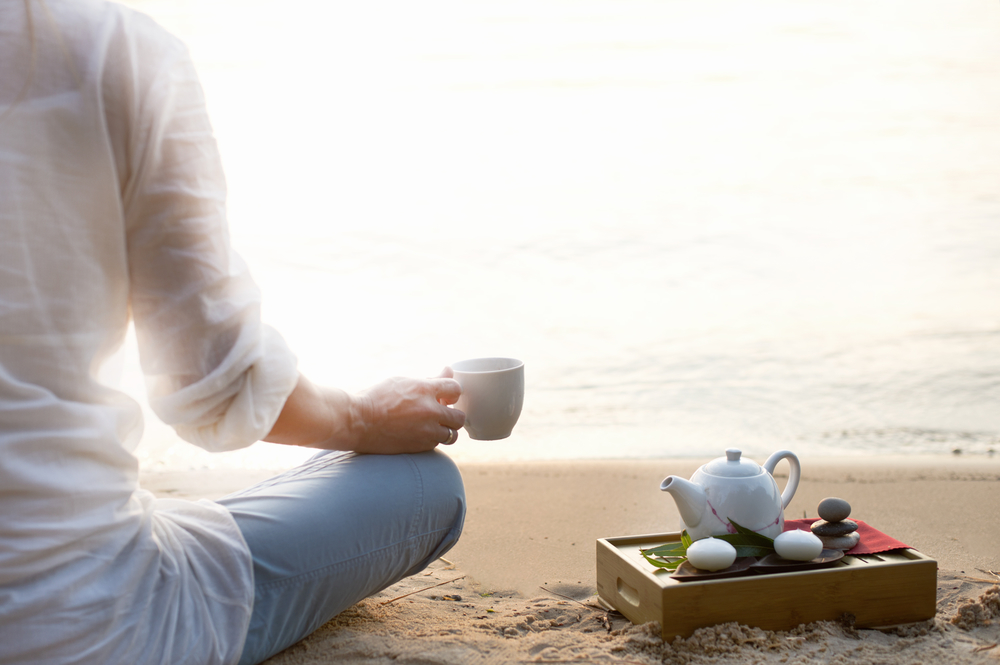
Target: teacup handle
[[793, 473]]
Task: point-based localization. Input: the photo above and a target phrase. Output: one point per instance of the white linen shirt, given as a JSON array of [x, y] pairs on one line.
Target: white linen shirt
[[112, 206]]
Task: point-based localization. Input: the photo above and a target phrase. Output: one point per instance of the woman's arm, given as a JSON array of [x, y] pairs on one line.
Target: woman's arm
[[396, 416], [214, 371]]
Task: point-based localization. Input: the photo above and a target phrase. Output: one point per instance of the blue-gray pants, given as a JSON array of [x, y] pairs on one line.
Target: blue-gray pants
[[338, 529]]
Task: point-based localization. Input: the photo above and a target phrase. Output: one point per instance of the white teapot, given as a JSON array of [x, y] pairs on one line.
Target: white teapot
[[731, 488]]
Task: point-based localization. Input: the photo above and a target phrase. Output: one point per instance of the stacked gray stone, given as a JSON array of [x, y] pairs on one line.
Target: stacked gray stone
[[833, 528]]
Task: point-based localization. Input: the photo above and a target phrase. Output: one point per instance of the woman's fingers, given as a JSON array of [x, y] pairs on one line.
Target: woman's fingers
[[451, 417], [447, 391]]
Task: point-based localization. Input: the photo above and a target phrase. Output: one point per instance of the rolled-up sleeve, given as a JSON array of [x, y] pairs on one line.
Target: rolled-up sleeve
[[214, 371]]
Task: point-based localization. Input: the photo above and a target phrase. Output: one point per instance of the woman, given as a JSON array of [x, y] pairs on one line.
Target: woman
[[111, 210]]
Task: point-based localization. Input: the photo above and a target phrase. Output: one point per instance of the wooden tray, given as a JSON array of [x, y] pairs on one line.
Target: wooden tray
[[882, 589]]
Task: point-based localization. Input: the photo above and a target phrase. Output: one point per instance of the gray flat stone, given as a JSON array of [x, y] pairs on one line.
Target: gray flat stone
[[834, 529], [841, 542]]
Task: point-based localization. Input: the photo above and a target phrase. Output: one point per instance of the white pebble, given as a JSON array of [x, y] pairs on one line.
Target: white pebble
[[711, 554], [798, 545]]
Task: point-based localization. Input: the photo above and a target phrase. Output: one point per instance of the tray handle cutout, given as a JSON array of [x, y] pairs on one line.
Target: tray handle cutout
[[627, 593]]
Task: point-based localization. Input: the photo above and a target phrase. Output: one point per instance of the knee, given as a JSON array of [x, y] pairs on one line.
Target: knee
[[444, 491], [442, 480]]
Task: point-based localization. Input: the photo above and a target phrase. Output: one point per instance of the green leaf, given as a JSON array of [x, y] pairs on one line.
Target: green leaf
[[745, 548], [659, 563], [746, 542], [743, 540], [676, 552], [668, 550], [752, 536]]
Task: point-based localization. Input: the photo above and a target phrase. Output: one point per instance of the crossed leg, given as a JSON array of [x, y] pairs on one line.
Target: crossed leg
[[338, 529]]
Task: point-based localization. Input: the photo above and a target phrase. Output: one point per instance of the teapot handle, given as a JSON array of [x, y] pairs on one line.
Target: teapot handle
[[793, 473]]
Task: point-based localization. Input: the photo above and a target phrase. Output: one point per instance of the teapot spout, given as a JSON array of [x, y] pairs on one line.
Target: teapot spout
[[690, 498]]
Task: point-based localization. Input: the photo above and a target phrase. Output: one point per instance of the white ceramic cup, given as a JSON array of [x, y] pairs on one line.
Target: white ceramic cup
[[492, 395]]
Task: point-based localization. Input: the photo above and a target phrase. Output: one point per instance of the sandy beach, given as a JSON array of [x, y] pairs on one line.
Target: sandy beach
[[521, 584]]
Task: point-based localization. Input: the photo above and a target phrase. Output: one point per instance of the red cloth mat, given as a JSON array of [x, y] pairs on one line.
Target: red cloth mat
[[872, 540]]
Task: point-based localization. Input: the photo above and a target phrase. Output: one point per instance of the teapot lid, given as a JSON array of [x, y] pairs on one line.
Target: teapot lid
[[731, 466]]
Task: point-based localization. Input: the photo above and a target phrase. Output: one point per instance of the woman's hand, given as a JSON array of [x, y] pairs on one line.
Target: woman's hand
[[409, 415], [398, 415]]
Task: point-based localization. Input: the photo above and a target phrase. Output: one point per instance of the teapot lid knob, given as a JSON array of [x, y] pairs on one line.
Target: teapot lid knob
[[732, 466]]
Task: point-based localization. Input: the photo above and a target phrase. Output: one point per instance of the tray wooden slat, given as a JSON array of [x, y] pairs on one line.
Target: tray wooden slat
[[878, 589]]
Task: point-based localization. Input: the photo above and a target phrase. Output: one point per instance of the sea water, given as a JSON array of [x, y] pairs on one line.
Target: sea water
[[700, 223]]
